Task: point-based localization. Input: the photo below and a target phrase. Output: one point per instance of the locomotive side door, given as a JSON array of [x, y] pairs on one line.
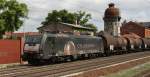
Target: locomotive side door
[[49, 47]]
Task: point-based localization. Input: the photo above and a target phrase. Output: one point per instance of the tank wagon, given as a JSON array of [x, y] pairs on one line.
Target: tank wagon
[[113, 44], [54, 47], [134, 42]]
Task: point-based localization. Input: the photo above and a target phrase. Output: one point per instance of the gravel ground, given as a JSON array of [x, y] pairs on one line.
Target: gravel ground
[[112, 69], [124, 62], [142, 70]]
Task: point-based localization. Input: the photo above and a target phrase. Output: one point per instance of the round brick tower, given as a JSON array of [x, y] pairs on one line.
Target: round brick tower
[[112, 20]]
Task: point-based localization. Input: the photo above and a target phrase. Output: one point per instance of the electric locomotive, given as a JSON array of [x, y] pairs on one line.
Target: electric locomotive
[[49, 47]]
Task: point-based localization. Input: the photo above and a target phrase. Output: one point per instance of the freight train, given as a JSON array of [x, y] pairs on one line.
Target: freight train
[[51, 47]]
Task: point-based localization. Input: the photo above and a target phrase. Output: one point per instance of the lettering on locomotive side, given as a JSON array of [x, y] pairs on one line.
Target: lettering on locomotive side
[[84, 46], [89, 51]]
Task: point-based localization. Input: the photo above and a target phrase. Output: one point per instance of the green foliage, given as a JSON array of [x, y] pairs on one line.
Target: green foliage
[[82, 18], [12, 14], [79, 18], [59, 16]]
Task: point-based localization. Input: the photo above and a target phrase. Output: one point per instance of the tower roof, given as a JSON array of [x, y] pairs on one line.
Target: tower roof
[[111, 11]]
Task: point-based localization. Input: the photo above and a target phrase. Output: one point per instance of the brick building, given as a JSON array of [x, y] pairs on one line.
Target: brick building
[[140, 28]]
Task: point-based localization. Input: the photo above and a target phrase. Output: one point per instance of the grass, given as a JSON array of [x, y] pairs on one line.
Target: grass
[[2, 66], [132, 71]]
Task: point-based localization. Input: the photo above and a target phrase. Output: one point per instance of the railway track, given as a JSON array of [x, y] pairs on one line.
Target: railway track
[[68, 68]]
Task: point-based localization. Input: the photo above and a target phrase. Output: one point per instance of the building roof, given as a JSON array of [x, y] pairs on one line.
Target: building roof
[[72, 26], [145, 24], [142, 24], [78, 26], [112, 11]]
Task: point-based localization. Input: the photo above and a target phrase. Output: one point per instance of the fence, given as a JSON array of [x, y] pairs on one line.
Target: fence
[[10, 51]]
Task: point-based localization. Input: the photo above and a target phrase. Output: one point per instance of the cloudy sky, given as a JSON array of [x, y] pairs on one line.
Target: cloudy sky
[[135, 10]]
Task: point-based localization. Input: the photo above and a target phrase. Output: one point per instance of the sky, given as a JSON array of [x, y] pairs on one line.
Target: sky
[[131, 10]]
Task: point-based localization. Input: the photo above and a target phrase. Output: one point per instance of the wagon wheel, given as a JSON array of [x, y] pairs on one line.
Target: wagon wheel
[[34, 62]]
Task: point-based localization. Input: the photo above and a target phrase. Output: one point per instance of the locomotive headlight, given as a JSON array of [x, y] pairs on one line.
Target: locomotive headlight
[[41, 55], [145, 45]]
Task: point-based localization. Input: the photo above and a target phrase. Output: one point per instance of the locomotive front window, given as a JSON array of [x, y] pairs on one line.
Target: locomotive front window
[[33, 39]]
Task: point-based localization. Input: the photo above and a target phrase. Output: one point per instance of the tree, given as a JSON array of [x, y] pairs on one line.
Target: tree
[[79, 18], [82, 18], [12, 14], [59, 16]]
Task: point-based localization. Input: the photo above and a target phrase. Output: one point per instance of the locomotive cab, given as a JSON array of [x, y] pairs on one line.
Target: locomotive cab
[[31, 46]]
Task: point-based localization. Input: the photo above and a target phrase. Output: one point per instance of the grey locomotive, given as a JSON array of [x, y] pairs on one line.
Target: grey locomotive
[[57, 46]]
